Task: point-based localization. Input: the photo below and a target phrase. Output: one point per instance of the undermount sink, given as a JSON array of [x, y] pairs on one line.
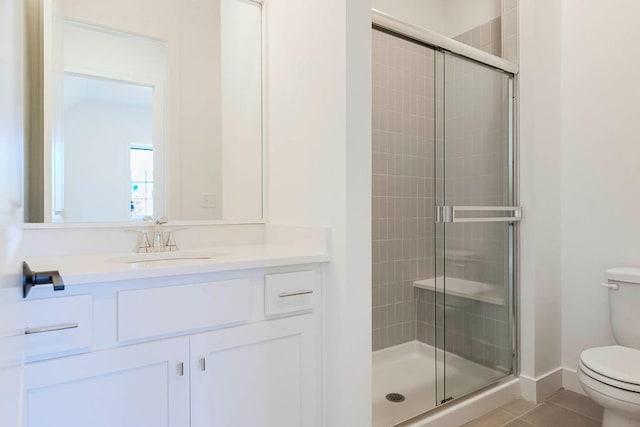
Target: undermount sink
[[163, 256]]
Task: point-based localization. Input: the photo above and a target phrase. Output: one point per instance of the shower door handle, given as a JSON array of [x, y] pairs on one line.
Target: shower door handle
[[479, 213]]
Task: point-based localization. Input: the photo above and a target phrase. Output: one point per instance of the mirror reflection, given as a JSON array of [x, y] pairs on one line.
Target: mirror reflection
[[147, 109]]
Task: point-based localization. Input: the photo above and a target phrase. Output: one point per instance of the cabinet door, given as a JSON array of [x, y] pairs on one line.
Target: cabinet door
[[135, 386], [261, 375]]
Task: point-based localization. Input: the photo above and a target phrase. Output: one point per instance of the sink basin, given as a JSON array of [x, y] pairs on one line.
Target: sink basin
[[163, 256]]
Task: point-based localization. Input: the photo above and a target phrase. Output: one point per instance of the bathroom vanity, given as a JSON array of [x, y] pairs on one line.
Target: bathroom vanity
[[230, 340], [132, 105]]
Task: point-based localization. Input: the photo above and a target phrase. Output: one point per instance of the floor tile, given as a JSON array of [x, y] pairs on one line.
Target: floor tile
[[550, 415], [557, 392], [578, 403], [517, 423], [518, 407], [492, 419]]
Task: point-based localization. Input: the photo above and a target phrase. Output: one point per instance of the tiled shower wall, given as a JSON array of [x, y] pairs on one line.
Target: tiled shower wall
[[510, 31], [486, 37], [499, 36], [403, 138]]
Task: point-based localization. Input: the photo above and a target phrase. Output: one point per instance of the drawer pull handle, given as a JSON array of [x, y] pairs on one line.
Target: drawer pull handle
[[52, 328], [294, 294]]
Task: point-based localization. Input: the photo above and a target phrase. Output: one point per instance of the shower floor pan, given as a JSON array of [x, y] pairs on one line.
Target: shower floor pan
[[410, 369]]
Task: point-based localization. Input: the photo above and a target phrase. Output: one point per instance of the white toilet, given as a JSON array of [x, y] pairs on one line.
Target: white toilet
[[611, 375]]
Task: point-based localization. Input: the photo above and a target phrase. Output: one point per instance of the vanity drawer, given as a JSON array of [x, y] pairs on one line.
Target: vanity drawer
[[58, 325], [170, 310], [289, 292]]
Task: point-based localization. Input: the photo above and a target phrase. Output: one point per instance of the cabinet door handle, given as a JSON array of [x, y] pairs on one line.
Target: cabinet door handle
[[295, 293], [180, 369], [52, 328], [203, 364]]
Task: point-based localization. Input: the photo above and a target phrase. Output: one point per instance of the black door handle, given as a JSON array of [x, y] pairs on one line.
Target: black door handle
[[32, 278]]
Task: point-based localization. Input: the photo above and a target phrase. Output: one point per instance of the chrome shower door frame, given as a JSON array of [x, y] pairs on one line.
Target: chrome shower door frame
[[445, 215]]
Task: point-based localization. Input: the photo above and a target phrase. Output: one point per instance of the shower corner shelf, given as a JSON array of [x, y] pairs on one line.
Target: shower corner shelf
[[478, 291]]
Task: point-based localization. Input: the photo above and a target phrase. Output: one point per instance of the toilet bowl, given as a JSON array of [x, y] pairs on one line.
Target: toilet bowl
[[610, 375]]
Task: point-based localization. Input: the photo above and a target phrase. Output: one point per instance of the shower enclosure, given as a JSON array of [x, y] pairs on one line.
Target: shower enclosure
[[444, 226]]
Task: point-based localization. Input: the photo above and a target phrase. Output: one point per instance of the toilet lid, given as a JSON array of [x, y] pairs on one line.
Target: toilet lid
[[615, 362]]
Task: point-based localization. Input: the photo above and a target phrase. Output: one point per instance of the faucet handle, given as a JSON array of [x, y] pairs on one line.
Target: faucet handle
[[144, 245], [170, 243], [142, 242]]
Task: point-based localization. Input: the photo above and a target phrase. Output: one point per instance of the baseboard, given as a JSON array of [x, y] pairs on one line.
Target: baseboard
[[470, 408], [538, 389], [570, 380]]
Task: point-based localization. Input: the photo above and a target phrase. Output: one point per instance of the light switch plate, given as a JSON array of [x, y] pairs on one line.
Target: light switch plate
[[209, 201]]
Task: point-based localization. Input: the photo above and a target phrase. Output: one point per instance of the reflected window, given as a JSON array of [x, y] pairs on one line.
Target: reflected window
[[141, 181]]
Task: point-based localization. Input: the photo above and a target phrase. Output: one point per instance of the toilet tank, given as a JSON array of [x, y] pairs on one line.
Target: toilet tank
[[624, 305]]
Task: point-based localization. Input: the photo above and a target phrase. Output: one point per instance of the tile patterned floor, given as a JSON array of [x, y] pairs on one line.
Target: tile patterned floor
[[563, 409]]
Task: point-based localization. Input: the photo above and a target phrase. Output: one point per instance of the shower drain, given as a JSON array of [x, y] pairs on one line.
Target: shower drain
[[395, 397]]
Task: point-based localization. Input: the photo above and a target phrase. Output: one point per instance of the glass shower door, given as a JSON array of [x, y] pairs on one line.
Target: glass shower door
[[476, 214]]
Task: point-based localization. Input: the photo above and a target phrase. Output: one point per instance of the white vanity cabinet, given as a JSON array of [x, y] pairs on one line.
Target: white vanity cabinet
[[247, 352], [133, 386], [263, 374]]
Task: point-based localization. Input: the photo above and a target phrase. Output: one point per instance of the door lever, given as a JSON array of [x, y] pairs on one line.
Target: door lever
[[32, 278]]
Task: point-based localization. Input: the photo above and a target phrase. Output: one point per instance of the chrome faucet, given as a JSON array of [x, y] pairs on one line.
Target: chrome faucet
[[159, 243]]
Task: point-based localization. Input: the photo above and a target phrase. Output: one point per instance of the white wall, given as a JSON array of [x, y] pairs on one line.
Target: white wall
[[585, 78], [448, 17], [319, 172], [11, 115], [539, 102], [423, 13], [11, 135], [98, 138], [600, 163], [198, 113], [241, 109]]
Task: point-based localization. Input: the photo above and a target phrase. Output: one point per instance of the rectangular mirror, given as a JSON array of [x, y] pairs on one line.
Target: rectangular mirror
[[144, 108]]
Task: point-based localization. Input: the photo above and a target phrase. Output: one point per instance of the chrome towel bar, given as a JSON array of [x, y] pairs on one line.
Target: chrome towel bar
[[449, 214]]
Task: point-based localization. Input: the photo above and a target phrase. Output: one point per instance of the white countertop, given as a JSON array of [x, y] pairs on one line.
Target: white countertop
[[99, 268]]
